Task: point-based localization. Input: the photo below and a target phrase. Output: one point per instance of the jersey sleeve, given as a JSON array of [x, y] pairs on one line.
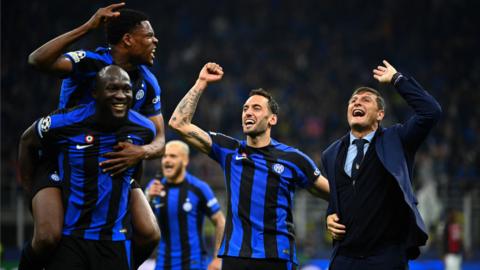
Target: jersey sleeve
[[221, 146], [211, 203], [308, 171], [83, 63], [48, 129], [152, 105]]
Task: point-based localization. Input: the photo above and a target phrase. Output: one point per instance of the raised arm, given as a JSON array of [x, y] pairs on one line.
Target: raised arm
[[426, 108], [49, 56], [28, 157], [183, 114]]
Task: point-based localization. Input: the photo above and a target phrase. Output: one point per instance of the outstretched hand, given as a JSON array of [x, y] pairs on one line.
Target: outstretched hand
[[337, 230], [127, 155], [104, 14], [211, 72], [385, 73]]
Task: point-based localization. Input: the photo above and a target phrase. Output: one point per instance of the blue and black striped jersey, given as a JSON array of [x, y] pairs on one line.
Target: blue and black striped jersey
[[260, 185], [96, 204], [77, 87], [180, 213]]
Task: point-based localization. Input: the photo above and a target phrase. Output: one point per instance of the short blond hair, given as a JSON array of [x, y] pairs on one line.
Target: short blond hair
[[182, 145]]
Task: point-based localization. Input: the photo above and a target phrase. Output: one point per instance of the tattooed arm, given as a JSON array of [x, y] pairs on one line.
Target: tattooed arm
[[181, 120]]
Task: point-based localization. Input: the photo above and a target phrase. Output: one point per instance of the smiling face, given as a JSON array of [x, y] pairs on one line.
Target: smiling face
[[175, 160], [143, 44], [256, 116], [364, 113], [113, 92]]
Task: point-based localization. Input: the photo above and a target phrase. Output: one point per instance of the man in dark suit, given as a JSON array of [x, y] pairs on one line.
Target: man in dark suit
[[373, 216]]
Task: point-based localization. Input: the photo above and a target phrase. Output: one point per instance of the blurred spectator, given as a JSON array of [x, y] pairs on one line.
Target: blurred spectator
[[453, 242]]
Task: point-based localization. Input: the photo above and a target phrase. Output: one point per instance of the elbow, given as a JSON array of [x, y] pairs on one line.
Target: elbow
[[438, 112], [175, 124], [33, 60]]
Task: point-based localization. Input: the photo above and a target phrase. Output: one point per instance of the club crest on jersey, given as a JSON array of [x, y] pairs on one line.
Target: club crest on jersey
[[45, 124], [140, 94], [278, 168], [187, 206], [77, 55], [89, 139]]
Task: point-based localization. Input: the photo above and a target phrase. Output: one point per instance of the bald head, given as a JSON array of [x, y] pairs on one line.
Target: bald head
[[109, 73]]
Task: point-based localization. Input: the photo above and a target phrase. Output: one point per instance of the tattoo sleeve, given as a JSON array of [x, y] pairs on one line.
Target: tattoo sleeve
[[205, 144], [187, 106]]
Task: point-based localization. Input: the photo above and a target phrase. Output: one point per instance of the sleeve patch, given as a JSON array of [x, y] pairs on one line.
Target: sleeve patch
[[77, 55], [212, 202], [44, 125]]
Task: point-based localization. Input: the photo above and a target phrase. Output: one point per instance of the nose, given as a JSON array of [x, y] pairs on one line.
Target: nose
[[155, 40], [120, 94]]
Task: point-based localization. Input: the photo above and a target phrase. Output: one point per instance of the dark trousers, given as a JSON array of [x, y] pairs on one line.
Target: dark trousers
[[389, 258], [237, 263]]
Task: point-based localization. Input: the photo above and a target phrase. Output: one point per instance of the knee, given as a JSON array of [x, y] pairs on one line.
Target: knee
[[150, 237], [154, 235]]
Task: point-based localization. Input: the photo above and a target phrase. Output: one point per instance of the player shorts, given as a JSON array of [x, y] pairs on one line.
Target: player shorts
[[238, 263], [46, 175], [76, 253]]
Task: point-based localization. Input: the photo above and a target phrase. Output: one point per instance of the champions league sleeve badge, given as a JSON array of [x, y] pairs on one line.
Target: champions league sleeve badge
[[44, 125], [76, 56]]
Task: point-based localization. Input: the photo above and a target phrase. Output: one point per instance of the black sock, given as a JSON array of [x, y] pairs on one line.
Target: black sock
[[29, 259]]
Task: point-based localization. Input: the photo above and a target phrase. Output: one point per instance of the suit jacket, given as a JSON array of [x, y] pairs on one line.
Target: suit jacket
[[396, 147]]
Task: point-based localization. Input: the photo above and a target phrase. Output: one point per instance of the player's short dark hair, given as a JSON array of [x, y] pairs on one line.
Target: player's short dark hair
[[380, 101], [272, 103], [116, 27]]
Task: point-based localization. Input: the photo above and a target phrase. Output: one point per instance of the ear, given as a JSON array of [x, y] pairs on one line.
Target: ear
[[380, 115], [273, 120], [127, 39]]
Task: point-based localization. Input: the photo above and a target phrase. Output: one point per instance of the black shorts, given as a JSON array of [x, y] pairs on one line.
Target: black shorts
[[237, 263], [46, 175], [78, 254]]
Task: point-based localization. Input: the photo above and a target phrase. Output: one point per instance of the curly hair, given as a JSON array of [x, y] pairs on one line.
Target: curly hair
[[116, 27]]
